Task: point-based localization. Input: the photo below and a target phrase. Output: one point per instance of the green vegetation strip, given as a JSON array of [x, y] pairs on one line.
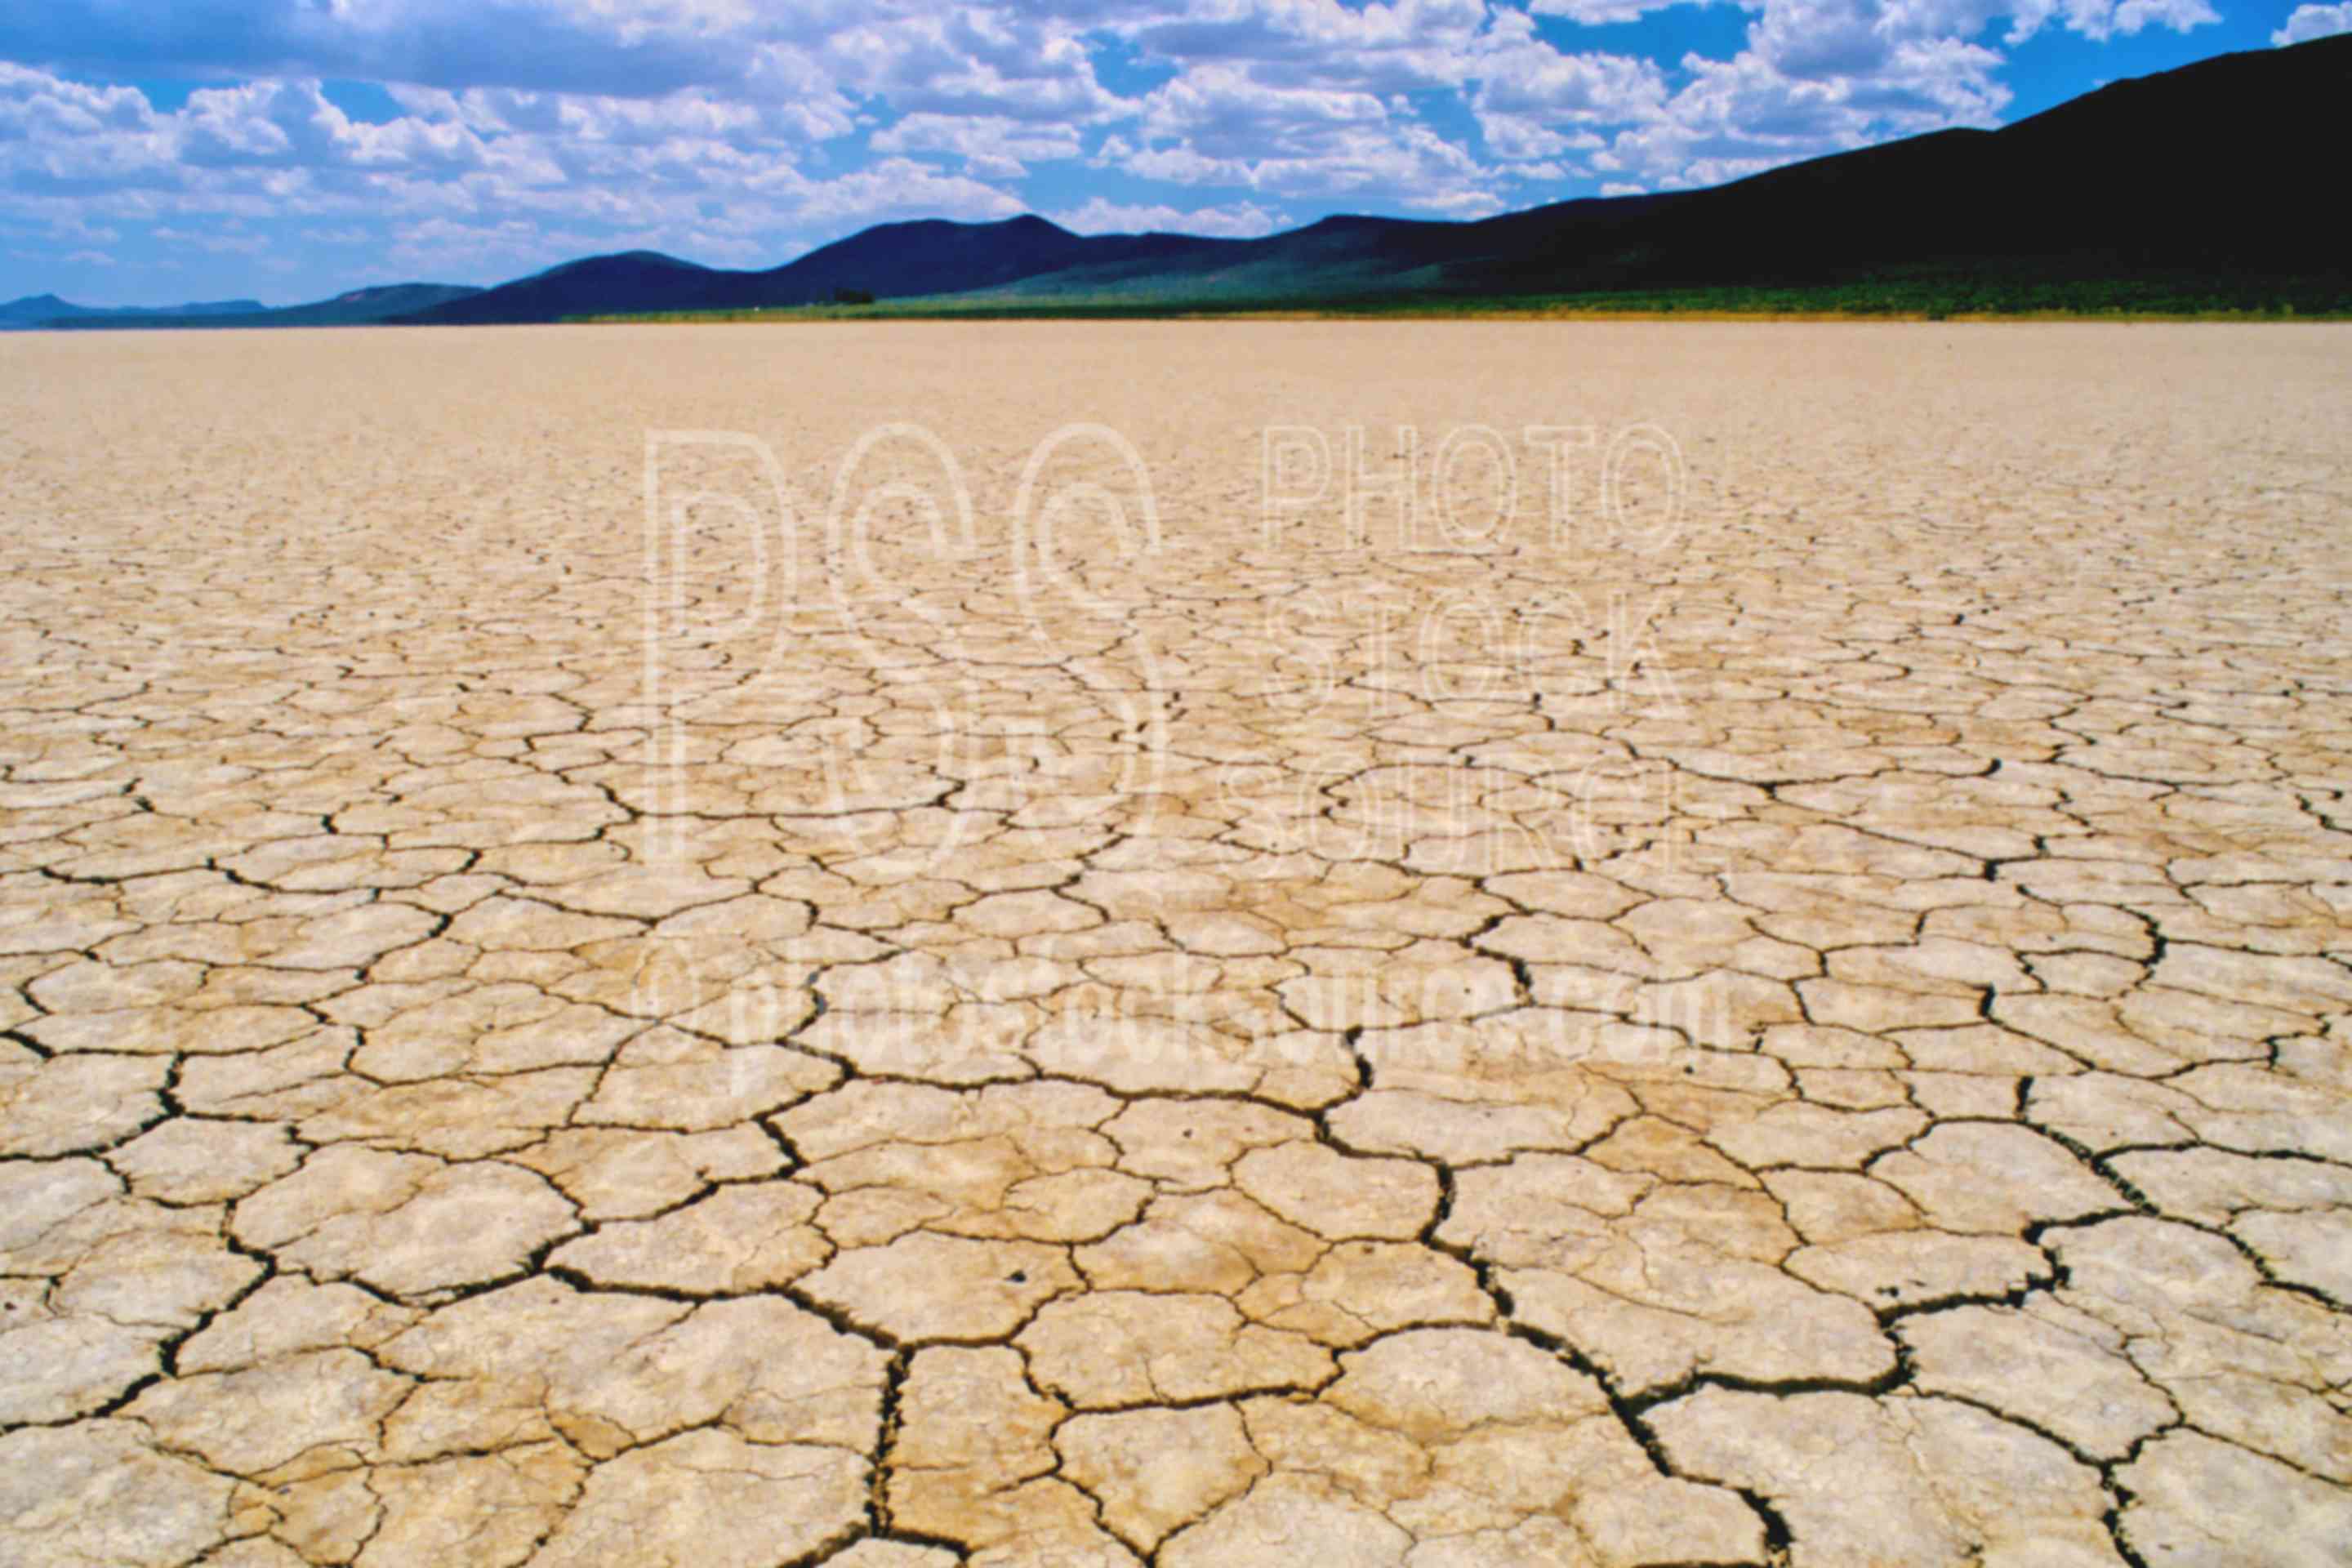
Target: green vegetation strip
[[2195, 300]]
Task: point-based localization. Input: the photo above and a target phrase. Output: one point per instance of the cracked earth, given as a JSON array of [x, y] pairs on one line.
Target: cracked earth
[[1805, 1024]]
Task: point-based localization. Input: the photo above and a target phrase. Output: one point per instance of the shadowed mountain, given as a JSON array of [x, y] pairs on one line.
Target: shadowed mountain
[[891, 260], [40, 310], [587, 287], [358, 308], [2204, 170]]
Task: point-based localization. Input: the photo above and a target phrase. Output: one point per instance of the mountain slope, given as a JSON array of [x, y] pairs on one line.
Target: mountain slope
[[2189, 171], [356, 308], [2193, 169], [930, 256], [40, 309], [935, 257], [632, 280], [33, 309]]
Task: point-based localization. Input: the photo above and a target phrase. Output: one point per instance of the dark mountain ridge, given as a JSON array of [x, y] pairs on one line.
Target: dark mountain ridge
[[891, 260], [2183, 172]]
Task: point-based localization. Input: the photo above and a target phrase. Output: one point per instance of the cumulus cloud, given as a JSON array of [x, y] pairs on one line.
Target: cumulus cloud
[[971, 60], [2104, 20], [614, 46], [1222, 124], [2310, 22], [1532, 102], [1241, 220], [1527, 76], [1377, 48], [1308, 99], [1597, 13], [463, 179], [991, 146]]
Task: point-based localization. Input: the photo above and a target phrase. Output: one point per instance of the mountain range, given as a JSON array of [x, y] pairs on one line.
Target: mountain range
[[357, 307], [44, 309], [2208, 171]]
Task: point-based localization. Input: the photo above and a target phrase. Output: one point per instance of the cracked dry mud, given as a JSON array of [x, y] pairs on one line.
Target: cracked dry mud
[[1811, 1031]]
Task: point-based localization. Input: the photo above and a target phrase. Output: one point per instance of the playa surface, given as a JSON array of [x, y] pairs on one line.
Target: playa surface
[[906, 944]]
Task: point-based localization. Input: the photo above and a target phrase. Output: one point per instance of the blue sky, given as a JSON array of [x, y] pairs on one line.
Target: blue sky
[[153, 152]]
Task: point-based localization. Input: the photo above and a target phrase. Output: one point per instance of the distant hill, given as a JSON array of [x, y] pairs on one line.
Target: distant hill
[[891, 260], [358, 308], [578, 288], [38, 309]]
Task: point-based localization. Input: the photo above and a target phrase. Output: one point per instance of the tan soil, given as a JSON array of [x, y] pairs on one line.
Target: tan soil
[[1803, 1021]]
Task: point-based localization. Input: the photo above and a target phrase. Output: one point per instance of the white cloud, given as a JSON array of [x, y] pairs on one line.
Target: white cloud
[[648, 47], [1819, 77], [1534, 77], [1376, 48], [1308, 98], [896, 187], [2310, 22], [1220, 125], [991, 146], [1227, 112], [1521, 136], [1241, 220], [1593, 13], [972, 60], [219, 242], [1400, 162], [1532, 102]]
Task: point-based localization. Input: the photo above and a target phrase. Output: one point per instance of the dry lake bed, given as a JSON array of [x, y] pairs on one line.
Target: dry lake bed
[[1331, 946]]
